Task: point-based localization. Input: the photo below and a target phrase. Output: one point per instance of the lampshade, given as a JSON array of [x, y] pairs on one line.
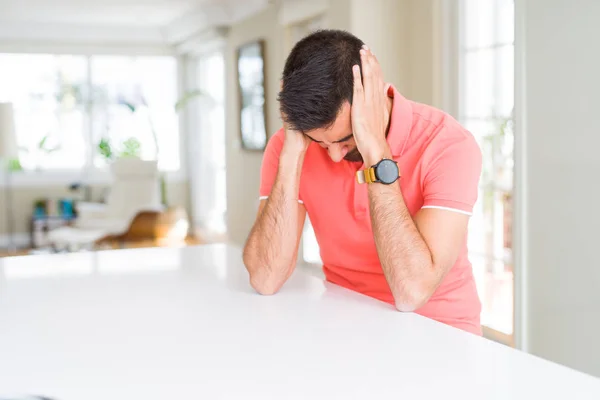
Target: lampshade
[[8, 143]]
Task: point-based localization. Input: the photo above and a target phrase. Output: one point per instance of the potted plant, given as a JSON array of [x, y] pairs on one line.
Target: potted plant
[[180, 105]]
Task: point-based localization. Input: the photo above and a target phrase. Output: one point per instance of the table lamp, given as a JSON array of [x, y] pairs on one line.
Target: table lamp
[[8, 151]]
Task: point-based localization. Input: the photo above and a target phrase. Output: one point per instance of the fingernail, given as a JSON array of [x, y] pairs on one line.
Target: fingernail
[[365, 47]]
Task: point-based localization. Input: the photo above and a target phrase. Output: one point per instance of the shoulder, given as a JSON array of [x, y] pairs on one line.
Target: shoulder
[[451, 163], [274, 146], [443, 133], [276, 140]]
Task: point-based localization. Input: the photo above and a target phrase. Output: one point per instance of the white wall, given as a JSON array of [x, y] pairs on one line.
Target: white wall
[[560, 42], [422, 50], [383, 26], [401, 33]]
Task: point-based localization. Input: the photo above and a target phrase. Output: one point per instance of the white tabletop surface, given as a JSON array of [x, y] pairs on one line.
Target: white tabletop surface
[[184, 324]]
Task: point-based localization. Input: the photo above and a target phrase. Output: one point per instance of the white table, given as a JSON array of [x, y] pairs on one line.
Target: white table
[[174, 324]]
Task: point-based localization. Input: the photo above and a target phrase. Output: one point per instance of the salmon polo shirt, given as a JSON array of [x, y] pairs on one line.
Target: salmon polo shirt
[[440, 164]]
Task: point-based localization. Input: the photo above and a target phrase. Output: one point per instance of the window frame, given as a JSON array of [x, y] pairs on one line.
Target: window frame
[[452, 37], [203, 204]]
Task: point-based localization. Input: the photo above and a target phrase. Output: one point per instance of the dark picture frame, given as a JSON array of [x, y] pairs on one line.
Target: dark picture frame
[[250, 67]]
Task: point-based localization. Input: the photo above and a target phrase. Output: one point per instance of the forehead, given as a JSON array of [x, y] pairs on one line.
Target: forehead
[[341, 127]]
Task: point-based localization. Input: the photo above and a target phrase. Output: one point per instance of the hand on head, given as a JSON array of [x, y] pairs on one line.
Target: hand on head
[[370, 114]]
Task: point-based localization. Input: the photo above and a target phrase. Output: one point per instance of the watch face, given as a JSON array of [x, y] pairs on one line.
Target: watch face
[[387, 171]]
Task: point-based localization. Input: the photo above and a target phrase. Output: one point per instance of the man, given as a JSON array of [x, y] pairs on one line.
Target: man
[[388, 184]]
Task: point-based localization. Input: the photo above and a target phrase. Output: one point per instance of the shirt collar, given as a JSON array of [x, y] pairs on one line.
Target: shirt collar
[[400, 122]]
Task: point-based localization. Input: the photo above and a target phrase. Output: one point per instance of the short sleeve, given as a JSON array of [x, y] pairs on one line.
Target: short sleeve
[[270, 164], [451, 179]]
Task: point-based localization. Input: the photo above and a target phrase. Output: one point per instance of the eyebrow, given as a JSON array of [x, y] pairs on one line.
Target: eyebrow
[[345, 138]]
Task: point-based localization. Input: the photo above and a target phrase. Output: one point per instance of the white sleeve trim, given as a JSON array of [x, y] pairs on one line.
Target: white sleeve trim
[[266, 197], [450, 209]]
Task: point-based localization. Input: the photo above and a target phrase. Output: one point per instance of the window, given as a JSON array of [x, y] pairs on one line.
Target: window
[[208, 146], [150, 85], [65, 104], [486, 93], [48, 93]]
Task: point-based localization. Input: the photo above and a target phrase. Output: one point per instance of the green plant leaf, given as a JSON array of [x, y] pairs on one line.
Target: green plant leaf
[[42, 142], [14, 165], [131, 148], [187, 97], [42, 146], [105, 149], [128, 105]]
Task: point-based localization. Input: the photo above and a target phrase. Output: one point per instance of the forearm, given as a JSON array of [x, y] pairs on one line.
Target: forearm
[[271, 248], [405, 258]]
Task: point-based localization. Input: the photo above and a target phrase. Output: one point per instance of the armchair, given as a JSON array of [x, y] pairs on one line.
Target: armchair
[[135, 189]]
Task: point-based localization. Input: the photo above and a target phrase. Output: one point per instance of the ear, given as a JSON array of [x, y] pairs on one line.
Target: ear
[[387, 88]]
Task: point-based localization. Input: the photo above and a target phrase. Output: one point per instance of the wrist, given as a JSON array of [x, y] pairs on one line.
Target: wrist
[[293, 150], [377, 153], [290, 167], [291, 156]]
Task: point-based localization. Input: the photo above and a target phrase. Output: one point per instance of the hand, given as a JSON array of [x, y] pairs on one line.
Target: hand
[[295, 142], [369, 112]]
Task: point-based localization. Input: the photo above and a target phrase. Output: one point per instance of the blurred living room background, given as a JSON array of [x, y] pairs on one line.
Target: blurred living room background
[[142, 122]]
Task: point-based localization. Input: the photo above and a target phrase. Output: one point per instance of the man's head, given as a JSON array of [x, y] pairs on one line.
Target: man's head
[[317, 89]]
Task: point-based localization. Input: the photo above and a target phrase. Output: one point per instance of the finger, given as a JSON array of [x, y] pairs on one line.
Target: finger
[[374, 67], [369, 55], [367, 73], [365, 63], [358, 87], [374, 59], [376, 76], [374, 63]]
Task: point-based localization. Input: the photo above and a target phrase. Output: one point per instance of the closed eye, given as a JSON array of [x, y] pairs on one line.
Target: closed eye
[[344, 139]]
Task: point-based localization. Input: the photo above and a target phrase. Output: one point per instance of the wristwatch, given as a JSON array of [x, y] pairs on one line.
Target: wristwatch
[[385, 171]]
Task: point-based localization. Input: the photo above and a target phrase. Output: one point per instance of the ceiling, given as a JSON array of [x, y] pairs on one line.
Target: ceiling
[[166, 21], [105, 12]]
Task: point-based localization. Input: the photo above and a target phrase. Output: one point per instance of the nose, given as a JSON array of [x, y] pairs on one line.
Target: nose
[[337, 152]]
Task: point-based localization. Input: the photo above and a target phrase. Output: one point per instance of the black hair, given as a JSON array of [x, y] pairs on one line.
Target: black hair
[[317, 79]]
